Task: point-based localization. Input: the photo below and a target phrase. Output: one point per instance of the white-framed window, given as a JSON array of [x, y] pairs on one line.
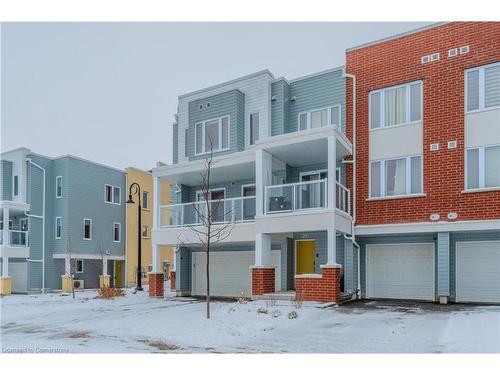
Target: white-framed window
[[117, 229], [24, 224], [58, 186], [10, 225], [145, 231], [145, 200], [15, 186], [395, 105], [87, 229], [112, 194], [58, 227], [213, 133], [396, 177], [320, 117], [482, 167], [482, 87], [79, 265], [254, 128]]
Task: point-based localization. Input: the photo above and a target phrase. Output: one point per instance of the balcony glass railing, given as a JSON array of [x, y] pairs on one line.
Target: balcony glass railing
[[303, 196], [232, 210], [16, 238]]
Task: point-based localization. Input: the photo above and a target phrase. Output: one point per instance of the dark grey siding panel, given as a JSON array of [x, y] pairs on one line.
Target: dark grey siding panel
[[290, 266], [443, 263], [183, 272], [232, 104], [6, 180], [175, 143], [279, 106], [349, 266]]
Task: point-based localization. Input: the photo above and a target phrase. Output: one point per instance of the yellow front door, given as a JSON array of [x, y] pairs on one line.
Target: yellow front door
[[118, 273], [306, 255]]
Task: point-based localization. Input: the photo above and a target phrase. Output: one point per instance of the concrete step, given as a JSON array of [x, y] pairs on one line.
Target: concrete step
[[278, 296]]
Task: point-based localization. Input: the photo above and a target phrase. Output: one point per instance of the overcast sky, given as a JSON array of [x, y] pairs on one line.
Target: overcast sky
[[108, 91]]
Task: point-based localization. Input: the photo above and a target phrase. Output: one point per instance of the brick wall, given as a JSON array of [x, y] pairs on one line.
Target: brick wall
[[321, 289], [172, 280], [263, 281], [156, 285], [398, 61]]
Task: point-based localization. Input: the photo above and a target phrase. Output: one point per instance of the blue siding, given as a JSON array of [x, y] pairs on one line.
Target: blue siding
[[6, 180], [232, 104], [175, 144], [443, 264]]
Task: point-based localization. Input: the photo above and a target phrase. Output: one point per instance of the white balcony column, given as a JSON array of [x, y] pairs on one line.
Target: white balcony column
[[262, 250], [263, 177], [156, 202], [104, 266], [332, 248], [174, 258], [5, 266], [5, 231], [332, 172], [156, 264]]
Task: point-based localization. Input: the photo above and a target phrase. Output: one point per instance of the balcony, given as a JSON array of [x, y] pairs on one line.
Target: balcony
[[305, 195], [230, 210], [17, 238]]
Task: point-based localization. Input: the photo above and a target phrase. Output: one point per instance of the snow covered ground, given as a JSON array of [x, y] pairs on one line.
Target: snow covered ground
[[136, 323]]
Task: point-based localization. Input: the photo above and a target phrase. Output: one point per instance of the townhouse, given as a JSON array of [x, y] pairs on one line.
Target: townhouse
[[411, 125], [278, 147], [427, 140], [65, 216]]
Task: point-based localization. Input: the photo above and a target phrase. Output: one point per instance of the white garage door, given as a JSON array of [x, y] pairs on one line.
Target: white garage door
[[478, 271], [19, 274], [401, 271], [230, 272]]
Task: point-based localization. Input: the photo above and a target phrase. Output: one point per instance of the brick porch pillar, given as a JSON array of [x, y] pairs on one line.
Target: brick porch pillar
[[320, 288], [156, 284], [172, 280], [263, 280]]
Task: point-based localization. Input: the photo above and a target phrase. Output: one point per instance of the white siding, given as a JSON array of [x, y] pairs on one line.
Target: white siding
[[257, 90], [394, 141]]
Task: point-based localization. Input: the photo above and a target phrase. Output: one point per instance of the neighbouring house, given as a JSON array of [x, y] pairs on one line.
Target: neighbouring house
[[60, 216], [427, 146], [145, 180], [278, 148]]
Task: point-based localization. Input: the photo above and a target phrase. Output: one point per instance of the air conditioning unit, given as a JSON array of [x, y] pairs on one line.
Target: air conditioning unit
[[78, 284]]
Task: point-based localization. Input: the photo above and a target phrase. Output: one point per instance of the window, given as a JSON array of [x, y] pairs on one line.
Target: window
[[483, 167], [395, 177], [112, 194], [58, 186], [16, 186], [79, 266], [396, 105], [254, 128], [24, 224], [145, 231], [145, 199], [212, 135], [482, 87], [87, 229], [10, 225], [116, 232], [320, 117], [58, 228]]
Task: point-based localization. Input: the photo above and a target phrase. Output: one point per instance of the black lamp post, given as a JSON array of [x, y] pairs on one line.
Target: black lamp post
[[136, 189]]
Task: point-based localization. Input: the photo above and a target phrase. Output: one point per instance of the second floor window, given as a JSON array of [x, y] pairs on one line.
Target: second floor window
[[145, 199], [483, 167], [58, 186], [58, 227], [254, 128], [212, 135], [395, 177], [482, 86], [112, 194], [320, 117], [16, 186], [116, 232], [396, 105], [87, 229]]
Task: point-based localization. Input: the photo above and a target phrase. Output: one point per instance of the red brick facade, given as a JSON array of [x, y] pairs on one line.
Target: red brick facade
[[398, 61], [263, 280], [156, 281], [321, 289], [172, 280]]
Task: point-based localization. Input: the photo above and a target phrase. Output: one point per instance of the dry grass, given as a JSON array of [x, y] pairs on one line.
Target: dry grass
[[110, 293], [299, 300]]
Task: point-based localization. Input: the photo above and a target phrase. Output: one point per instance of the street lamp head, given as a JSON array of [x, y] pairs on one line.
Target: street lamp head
[[130, 200]]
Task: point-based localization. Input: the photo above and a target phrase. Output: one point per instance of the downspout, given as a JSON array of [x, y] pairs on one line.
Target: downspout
[[353, 222], [43, 223]]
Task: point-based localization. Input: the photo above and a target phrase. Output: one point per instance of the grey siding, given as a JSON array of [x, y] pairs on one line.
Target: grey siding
[[175, 143], [6, 180], [279, 106], [232, 104], [350, 267], [443, 264]]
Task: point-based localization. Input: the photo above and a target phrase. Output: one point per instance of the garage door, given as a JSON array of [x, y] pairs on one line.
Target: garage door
[[401, 271], [19, 274], [478, 271], [230, 272]]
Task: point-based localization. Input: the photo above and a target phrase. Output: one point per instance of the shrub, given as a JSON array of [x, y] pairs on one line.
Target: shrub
[[110, 293]]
